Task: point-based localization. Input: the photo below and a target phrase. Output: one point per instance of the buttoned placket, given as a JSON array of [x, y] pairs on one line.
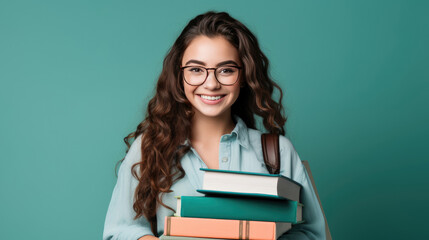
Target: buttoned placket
[[225, 151]]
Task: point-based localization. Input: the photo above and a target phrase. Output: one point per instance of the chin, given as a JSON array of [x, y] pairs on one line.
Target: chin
[[211, 114]]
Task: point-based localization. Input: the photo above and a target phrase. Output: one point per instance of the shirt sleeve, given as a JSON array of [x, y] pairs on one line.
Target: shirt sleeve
[[313, 226], [120, 223]]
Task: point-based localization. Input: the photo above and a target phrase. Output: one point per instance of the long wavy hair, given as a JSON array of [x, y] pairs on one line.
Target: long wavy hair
[[167, 124]]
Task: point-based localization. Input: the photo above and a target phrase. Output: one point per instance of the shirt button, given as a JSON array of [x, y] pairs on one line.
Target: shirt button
[[224, 159]]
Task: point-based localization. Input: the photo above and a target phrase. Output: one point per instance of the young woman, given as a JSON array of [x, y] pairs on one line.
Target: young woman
[[213, 83]]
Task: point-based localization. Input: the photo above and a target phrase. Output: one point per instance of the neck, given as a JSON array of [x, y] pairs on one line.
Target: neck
[[209, 129]]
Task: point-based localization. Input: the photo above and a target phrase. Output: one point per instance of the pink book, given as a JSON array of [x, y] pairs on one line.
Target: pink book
[[224, 228]]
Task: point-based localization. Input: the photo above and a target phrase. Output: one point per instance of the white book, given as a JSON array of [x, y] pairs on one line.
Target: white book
[[251, 184]]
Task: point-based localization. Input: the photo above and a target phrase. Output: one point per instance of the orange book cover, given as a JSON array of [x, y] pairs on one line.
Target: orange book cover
[[224, 228]]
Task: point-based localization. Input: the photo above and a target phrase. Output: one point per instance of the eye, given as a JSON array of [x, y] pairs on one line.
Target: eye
[[227, 70], [195, 70]]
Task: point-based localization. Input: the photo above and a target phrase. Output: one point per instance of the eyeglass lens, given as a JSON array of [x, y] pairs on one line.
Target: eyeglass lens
[[226, 75]]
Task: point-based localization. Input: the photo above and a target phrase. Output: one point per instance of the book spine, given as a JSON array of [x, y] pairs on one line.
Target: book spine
[[219, 228], [253, 209]]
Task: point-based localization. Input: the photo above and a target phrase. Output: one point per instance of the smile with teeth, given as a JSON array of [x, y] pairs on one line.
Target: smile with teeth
[[212, 98]]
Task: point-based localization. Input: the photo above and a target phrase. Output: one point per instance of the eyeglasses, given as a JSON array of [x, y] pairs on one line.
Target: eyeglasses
[[196, 75]]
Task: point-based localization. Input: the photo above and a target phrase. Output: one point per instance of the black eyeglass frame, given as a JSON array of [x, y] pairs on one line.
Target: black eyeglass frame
[[207, 74]]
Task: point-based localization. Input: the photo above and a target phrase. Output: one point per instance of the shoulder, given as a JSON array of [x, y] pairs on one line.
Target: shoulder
[[134, 153], [286, 145]]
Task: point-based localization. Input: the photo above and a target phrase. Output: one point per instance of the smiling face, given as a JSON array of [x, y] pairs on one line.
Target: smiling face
[[211, 99]]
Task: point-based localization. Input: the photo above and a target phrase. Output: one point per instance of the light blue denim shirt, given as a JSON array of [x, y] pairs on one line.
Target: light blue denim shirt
[[240, 150]]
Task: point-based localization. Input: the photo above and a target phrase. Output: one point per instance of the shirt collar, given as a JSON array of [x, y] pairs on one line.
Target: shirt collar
[[240, 130]]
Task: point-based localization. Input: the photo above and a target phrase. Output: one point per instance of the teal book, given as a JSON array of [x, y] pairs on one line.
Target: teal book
[[242, 184], [253, 209]]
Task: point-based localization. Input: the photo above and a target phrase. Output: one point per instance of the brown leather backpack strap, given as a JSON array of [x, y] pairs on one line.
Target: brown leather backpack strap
[[271, 152]]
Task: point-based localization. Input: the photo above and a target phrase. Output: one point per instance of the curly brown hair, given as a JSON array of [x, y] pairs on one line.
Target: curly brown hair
[[167, 122]]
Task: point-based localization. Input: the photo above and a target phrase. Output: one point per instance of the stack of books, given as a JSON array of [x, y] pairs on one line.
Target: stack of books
[[237, 205]]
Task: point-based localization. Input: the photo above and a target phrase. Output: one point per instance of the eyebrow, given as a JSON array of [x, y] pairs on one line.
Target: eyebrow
[[217, 65]]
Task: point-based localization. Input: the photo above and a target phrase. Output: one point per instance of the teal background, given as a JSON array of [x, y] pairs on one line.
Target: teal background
[[75, 77]]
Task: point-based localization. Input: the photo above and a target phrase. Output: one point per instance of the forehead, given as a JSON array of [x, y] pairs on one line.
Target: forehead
[[210, 50]]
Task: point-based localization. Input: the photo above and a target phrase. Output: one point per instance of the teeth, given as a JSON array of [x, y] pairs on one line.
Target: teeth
[[211, 98]]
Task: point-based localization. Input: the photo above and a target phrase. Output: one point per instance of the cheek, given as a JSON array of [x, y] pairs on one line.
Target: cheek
[[189, 90]]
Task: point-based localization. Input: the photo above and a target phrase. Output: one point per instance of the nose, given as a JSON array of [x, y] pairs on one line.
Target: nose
[[211, 81]]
